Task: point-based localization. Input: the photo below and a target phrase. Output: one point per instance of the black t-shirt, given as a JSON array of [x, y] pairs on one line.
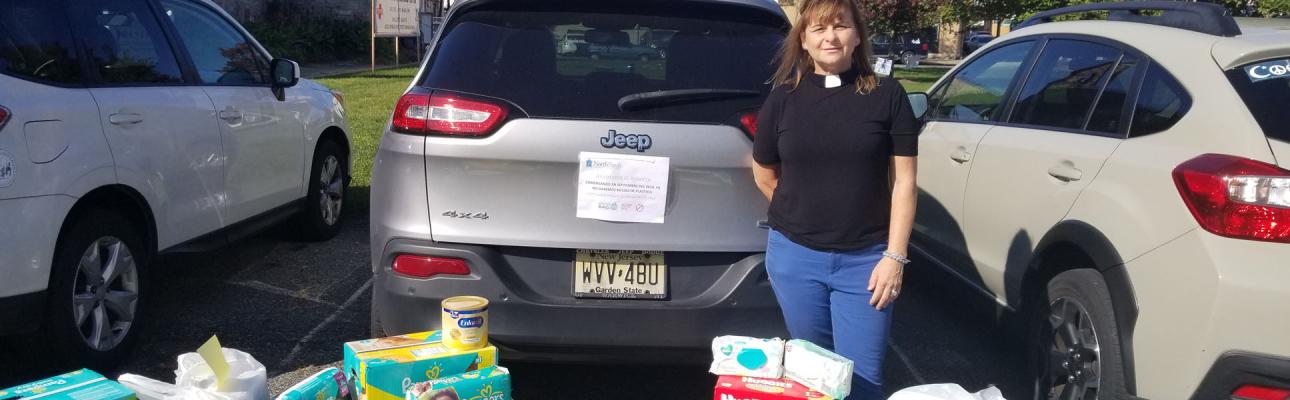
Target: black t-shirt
[[834, 149]]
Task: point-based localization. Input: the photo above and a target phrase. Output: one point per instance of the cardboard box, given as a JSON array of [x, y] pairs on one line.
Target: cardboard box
[[486, 384], [76, 385], [730, 387], [385, 368]]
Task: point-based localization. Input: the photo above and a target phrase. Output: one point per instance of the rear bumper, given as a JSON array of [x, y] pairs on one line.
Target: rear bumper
[[534, 316], [1235, 369]]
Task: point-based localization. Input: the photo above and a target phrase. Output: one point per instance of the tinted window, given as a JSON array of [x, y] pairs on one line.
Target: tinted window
[[220, 53], [1161, 102], [1265, 89], [36, 43], [1064, 84], [538, 61], [1110, 105], [124, 41], [977, 90]]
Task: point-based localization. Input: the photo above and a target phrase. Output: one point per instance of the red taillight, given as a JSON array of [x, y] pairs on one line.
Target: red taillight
[[423, 113], [926, 47], [4, 116], [1237, 197], [1254, 392], [425, 266], [749, 121]]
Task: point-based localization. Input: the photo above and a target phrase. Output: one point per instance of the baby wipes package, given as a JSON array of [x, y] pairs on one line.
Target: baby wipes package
[[818, 368], [328, 384], [731, 387], [384, 369], [76, 385], [746, 356], [493, 383]]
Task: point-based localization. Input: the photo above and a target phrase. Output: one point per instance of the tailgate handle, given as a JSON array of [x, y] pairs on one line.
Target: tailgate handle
[[763, 224]]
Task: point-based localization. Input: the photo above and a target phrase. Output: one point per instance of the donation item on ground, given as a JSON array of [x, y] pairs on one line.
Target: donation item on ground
[[731, 387], [328, 384], [83, 384], [493, 383], [818, 368], [746, 356], [211, 373], [465, 322], [945, 391], [381, 369]]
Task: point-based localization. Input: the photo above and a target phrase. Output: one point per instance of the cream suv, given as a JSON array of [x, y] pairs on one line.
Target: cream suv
[[1123, 184]]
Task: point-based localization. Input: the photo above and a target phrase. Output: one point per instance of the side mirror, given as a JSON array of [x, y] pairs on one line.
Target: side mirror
[[286, 73], [918, 102]]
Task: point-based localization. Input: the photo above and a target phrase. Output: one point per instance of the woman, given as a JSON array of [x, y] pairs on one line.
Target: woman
[[835, 154]]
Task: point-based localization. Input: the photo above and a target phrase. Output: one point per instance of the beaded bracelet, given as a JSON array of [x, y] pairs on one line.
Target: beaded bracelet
[[899, 258]]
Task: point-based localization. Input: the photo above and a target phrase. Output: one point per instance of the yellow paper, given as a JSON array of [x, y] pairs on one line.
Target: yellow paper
[[213, 353]]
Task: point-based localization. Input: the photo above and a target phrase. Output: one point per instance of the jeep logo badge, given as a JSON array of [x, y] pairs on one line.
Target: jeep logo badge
[[615, 139]]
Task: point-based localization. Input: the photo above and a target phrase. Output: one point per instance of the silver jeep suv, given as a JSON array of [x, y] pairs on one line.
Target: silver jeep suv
[[477, 180]]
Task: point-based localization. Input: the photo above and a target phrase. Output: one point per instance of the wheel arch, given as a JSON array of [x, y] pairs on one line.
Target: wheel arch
[[337, 135], [120, 199], [1076, 244]]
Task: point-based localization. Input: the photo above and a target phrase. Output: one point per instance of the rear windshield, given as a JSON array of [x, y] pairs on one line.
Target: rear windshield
[[1265, 88], [576, 64]]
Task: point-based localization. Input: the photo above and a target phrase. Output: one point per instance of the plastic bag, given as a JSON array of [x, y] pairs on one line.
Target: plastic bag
[[945, 391], [247, 380]]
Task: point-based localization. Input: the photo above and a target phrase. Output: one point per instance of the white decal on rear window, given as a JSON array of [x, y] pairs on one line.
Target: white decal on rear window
[[1268, 70]]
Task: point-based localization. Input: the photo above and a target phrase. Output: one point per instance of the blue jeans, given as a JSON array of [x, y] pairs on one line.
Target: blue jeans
[[825, 299]]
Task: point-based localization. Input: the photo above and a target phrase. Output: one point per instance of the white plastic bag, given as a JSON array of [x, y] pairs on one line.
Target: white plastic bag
[[945, 391], [247, 380]]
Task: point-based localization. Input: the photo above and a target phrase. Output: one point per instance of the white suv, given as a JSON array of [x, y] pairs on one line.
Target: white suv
[[1123, 184], [134, 127]]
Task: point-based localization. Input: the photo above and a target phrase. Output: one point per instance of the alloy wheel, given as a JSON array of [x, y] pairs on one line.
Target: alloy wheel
[[105, 293]]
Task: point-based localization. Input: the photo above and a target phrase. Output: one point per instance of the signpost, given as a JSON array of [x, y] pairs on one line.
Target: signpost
[[394, 18]]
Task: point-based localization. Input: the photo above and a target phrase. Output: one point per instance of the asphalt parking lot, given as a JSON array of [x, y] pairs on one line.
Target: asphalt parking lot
[[292, 304]]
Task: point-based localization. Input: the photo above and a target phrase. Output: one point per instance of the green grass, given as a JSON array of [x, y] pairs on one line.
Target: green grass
[[369, 100], [919, 79]]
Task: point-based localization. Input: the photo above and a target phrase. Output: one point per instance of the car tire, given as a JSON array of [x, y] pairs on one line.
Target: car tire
[[96, 291], [1075, 344], [328, 181], [905, 57]]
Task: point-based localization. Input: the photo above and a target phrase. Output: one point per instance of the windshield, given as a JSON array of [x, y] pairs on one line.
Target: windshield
[[1265, 88]]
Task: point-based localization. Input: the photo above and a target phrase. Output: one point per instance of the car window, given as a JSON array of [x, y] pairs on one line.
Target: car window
[[975, 92], [1265, 88], [1064, 83], [881, 38], [1161, 103], [124, 42], [220, 52], [525, 57], [36, 42], [1107, 115]]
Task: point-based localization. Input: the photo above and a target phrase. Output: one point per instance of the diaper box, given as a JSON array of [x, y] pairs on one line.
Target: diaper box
[[384, 369], [492, 383], [730, 387], [76, 385]]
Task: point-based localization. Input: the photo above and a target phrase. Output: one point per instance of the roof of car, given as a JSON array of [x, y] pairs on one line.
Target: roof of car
[[767, 5]]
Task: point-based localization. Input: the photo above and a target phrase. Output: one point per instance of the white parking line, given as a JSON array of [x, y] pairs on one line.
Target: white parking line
[[295, 351], [908, 365], [264, 287]]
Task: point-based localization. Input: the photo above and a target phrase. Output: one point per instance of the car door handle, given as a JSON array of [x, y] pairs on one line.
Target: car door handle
[[1065, 173], [961, 156], [125, 118], [230, 115]]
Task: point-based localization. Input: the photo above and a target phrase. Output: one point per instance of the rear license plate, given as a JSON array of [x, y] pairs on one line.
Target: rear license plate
[[619, 274]]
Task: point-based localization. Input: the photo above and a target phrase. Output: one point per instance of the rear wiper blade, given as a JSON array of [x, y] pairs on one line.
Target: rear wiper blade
[[664, 98]]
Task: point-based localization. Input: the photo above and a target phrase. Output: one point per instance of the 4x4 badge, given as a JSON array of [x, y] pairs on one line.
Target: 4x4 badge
[[638, 142]]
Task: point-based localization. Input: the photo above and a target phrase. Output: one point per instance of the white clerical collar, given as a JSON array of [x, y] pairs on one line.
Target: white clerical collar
[[832, 81]]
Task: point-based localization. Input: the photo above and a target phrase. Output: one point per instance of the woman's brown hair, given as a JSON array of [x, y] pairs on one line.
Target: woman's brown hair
[[795, 62]]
